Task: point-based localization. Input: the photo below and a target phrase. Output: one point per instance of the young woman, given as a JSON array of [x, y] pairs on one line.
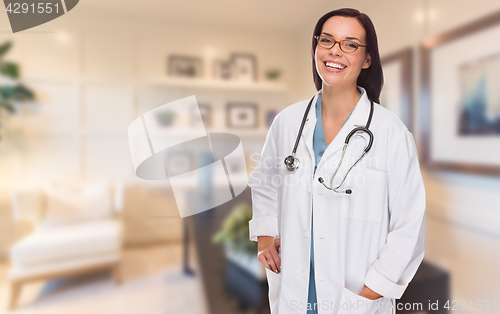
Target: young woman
[[340, 227]]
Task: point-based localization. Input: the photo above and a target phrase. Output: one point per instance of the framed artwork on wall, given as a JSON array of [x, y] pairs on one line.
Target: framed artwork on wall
[[244, 67], [241, 115], [185, 66], [179, 162], [270, 115], [461, 98], [205, 110], [397, 93], [223, 70]]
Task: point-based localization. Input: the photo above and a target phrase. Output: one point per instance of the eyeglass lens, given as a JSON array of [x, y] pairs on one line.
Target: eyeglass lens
[[345, 45]]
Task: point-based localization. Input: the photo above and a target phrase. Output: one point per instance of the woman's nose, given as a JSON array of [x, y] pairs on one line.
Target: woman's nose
[[336, 49]]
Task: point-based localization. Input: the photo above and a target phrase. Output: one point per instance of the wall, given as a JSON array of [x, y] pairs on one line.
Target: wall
[[93, 79], [462, 210], [463, 214]]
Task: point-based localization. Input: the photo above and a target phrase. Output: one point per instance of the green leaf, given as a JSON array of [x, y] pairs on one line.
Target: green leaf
[[23, 93], [9, 69], [18, 92], [7, 92], [4, 48], [7, 106]]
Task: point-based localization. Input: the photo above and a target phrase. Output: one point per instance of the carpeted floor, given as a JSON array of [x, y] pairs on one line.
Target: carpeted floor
[[153, 282]]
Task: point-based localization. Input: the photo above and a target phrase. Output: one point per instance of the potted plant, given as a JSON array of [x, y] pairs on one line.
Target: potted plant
[[237, 245], [12, 91], [166, 118]]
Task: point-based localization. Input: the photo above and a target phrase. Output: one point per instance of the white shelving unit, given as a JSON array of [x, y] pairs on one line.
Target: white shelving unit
[[220, 88], [99, 88], [216, 85]]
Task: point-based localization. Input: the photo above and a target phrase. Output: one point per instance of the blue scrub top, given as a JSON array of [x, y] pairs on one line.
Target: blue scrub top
[[319, 147]]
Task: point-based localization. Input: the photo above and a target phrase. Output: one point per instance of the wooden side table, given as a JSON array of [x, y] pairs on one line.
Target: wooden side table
[[430, 285], [219, 276]]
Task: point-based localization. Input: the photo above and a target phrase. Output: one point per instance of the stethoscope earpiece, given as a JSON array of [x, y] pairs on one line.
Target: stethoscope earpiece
[[348, 191]]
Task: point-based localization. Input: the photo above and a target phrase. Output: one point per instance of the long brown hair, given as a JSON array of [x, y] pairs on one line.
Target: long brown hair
[[372, 78]]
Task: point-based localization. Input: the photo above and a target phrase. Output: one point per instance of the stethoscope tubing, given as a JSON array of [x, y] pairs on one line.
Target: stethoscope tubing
[[292, 162], [302, 127]]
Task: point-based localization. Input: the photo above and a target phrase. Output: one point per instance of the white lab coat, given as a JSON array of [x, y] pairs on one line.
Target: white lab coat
[[374, 236]]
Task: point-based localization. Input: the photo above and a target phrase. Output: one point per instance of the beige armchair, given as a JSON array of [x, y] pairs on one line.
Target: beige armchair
[[66, 241]]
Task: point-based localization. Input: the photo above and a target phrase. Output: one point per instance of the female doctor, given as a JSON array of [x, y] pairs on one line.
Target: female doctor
[[336, 233]]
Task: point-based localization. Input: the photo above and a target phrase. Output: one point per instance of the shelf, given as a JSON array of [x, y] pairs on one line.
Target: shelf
[[242, 133], [216, 84], [245, 133], [193, 182], [208, 84]]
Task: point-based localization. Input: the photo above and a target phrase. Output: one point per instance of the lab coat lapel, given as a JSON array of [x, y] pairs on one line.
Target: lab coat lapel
[[359, 117]]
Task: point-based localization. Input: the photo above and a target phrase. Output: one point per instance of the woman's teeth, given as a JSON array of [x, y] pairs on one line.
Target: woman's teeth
[[334, 65]]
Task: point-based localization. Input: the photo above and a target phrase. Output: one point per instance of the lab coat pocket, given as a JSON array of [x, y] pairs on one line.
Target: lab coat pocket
[[274, 283], [343, 303], [369, 195], [357, 304]]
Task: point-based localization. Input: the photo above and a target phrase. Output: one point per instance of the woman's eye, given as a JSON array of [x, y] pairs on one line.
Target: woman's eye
[[325, 40], [351, 45]]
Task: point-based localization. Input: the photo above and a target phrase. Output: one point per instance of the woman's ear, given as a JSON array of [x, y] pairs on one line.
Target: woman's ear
[[368, 62]]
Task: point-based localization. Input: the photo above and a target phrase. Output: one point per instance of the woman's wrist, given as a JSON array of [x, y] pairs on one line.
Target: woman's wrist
[[369, 294], [264, 242]]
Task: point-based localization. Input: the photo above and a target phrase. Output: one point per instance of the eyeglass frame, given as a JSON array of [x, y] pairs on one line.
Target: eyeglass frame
[[340, 41]]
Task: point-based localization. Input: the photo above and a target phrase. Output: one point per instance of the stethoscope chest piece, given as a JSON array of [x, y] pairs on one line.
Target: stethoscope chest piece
[[292, 163]]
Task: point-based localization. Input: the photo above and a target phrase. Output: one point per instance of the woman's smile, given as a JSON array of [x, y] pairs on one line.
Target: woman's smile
[[334, 66]]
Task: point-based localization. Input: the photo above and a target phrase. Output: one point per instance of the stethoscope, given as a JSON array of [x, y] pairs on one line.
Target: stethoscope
[[292, 162]]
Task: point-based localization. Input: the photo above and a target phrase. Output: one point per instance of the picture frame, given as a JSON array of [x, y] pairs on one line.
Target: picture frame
[[397, 93], [241, 115], [179, 162], [244, 67], [205, 110], [185, 66], [446, 91], [223, 70], [206, 114], [270, 115]]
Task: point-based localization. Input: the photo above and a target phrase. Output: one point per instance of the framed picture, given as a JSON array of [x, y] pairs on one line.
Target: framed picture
[[244, 67], [241, 115], [179, 162], [397, 93], [205, 111], [206, 114], [461, 98], [185, 66], [223, 70], [270, 115]]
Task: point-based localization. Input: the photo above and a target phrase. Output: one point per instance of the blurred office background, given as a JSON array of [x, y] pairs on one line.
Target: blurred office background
[[103, 64]]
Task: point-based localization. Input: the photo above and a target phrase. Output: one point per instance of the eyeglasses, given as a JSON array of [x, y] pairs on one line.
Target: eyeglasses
[[346, 45]]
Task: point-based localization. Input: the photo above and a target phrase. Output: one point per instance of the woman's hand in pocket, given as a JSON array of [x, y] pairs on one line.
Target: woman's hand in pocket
[[268, 253], [369, 293]]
